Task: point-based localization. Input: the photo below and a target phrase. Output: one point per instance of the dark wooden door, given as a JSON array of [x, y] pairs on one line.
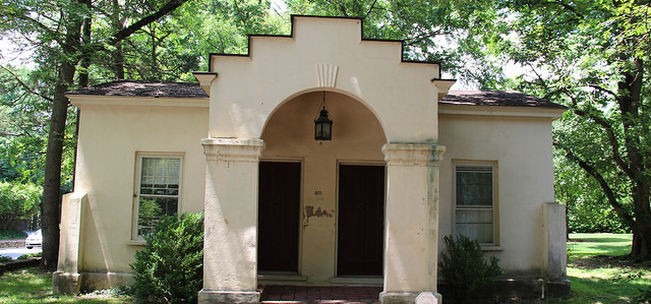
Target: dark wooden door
[[361, 220], [278, 216]]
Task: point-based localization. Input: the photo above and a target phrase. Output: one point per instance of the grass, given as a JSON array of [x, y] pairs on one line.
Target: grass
[[597, 268], [586, 245], [601, 274], [31, 286]]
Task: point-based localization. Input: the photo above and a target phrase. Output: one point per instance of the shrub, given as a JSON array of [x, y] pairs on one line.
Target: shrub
[[464, 269], [5, 259], [170, 267], [11, 234], [18, 201], [30, 256]]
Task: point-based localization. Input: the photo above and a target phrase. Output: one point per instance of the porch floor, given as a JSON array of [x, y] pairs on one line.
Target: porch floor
[[320, 295]]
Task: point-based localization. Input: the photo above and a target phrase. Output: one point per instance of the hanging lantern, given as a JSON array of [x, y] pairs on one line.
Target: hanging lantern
[[323, 124]]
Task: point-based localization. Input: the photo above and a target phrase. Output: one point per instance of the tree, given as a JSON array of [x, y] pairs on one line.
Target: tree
[[17, 201], [56, 29], [81, 42], [594, 57], [584, 199]]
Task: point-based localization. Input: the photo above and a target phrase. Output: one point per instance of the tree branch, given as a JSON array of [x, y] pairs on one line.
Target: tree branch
[[610, 194], [565, 6], [541, 80], [9, 134], [602, 89], [419, 38], [610, 132], [370, 9], [37, 23], [164, 10], [24, 85]]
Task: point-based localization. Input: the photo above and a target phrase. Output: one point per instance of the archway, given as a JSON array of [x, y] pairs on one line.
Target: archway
[[355, 146]]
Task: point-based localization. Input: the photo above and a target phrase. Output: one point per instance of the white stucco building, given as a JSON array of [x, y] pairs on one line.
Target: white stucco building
[[409, 162]]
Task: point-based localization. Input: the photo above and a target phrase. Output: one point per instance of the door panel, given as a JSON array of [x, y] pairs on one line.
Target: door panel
[[278, 216], [361, 220]]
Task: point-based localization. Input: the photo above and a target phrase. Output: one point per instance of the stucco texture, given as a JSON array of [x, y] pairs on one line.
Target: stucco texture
[[112, 131], [249, 88], [521, 147]]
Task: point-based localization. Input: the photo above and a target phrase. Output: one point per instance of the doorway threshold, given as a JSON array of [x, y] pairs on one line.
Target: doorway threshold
[[281, 277], [358, 280], [279, 294]]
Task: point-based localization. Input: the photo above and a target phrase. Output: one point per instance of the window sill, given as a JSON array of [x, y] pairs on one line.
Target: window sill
[[136, 243], [491, 248]]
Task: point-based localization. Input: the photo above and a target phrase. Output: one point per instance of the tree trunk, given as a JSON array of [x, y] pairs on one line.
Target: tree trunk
[[51, 201], [118, 25], [51, 204], [641, 248], [86, 53], [118, 65], [629, 106]]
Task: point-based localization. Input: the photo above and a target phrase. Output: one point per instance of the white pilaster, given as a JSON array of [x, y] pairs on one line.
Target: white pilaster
[[67, 279], [555, 238], [231, 217], [411, 227]]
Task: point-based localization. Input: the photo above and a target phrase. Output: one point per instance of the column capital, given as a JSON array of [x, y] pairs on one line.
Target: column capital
[[413, 154], [232, 149]]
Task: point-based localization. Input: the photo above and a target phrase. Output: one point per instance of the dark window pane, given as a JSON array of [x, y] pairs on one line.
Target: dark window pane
[[152, 209], [474, 200], [474, 187]]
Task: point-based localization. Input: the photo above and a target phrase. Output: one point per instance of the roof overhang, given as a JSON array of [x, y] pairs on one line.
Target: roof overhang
[[474, 110], [139, 101]]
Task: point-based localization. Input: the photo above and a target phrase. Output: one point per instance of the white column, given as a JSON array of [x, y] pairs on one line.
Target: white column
[[411, 224], [555, 240], [67, 279], [231, 219]]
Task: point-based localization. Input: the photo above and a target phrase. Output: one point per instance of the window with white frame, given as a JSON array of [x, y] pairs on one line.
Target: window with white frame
[[158, 187], [475, 197]]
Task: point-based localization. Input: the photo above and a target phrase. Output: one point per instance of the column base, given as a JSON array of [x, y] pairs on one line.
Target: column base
[[66, 283], [215, 297], [407, 297], [558, 288]]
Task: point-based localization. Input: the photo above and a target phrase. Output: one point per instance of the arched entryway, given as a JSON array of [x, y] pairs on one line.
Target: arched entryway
[[321, 202], [252, 120]]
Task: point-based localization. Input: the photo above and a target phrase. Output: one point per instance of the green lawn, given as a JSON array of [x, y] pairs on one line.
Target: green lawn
[[583, 245], [32, 286], [596, 268], [600, 275]]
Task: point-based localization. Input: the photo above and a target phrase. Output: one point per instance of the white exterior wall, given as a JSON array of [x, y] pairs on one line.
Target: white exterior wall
[[248, 89], [112, 130], [522, 148]]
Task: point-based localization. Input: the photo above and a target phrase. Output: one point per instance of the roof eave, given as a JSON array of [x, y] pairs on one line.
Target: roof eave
[[497, 110], [80, 100]]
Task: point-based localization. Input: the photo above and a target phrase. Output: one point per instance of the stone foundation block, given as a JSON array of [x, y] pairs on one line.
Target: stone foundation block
[[557, 289], [405, 297], [219, 297], [66, 283]]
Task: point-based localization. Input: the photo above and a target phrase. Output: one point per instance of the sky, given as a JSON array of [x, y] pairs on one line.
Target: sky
[[10, 55]]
